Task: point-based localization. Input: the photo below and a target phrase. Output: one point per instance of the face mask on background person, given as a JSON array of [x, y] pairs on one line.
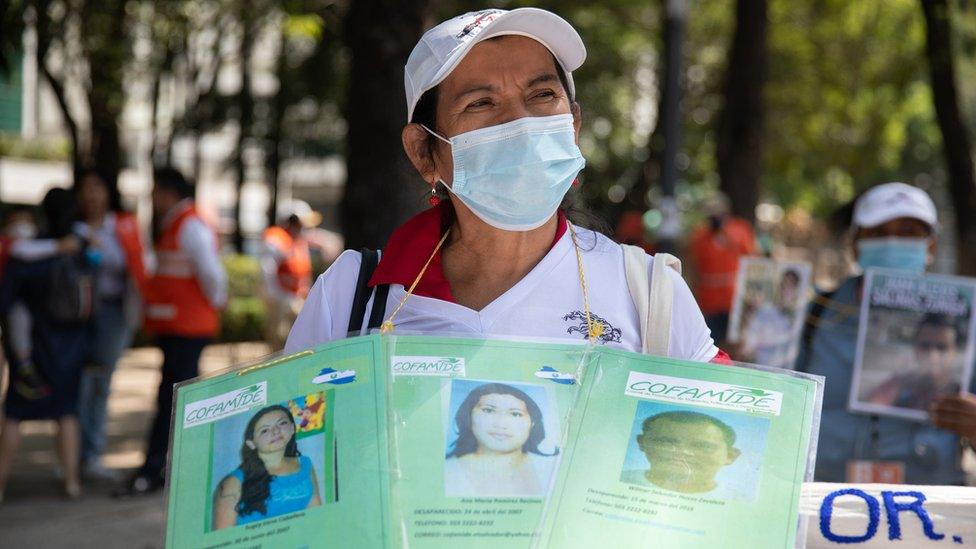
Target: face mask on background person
[[901, 253], [514, 175]]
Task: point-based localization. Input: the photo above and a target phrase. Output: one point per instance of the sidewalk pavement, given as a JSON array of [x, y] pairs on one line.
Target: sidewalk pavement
[[35, 513]]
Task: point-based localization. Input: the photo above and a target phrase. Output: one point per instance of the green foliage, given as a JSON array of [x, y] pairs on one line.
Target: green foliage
[[243, 319], [848, 100], [847, 94], [34, 149]]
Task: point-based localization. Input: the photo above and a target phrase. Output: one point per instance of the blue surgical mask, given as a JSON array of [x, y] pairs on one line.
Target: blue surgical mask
[[905, 254], [514, 175]]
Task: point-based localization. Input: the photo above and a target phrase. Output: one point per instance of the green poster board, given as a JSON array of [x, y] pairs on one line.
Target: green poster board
[[315, 420], [431, 442], [685, 454], [475, 437]]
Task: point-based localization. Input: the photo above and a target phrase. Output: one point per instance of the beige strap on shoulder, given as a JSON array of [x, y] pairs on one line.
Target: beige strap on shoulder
[[653, 296]]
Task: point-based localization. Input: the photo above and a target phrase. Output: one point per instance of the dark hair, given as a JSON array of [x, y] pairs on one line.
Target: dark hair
[[110, 183], [940, 320], [791, 274], [467, 444], [686, 418], [172, 179], [256, 488], [58, 207]]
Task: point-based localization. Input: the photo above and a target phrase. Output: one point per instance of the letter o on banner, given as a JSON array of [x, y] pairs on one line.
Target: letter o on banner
[[827, 509]]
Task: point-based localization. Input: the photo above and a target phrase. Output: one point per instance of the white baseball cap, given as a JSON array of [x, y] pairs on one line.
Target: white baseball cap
[[889, 201], [300, 209], [441, 48]]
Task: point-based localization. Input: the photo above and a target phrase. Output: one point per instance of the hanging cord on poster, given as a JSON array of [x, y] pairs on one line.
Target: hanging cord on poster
[[248, 369], [388, 325], [594, 329]]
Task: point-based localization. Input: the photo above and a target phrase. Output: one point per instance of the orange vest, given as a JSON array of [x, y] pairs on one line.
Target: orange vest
[[175, 303], [127, 232], [716, 256], [295, 269]]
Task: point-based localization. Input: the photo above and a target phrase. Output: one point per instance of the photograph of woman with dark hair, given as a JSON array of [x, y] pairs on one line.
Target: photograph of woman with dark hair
[[273, 477], [496, 453]]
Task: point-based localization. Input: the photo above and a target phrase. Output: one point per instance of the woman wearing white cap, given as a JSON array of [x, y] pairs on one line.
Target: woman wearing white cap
[[493, 130], [893, 227]]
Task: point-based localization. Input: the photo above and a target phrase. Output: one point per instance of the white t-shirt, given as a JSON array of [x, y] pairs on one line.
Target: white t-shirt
[[546, 303]]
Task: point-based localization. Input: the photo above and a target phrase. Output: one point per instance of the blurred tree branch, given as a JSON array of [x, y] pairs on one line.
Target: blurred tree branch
[[956, 144]]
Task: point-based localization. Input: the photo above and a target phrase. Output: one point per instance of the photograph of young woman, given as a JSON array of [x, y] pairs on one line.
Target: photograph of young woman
[[273, 477], [498, 431]]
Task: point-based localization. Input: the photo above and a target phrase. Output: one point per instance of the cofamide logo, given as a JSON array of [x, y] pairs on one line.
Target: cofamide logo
[[227, 404], [703, 393], [428, 366]]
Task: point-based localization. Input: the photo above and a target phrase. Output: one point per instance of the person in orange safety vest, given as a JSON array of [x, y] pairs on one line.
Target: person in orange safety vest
[[715, 250], [286, 266], [183, 299]]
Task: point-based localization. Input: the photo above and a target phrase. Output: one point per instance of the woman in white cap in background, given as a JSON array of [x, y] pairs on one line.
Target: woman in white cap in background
[[894, 227], [493, 129]]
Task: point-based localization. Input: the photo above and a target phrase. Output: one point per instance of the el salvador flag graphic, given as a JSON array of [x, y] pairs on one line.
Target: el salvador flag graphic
[[554, 375], [335, 377]]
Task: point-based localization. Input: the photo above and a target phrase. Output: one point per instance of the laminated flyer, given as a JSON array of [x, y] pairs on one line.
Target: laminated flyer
[[476, 432], [768, 309], [915, 342], [685, 454], [289, 453]]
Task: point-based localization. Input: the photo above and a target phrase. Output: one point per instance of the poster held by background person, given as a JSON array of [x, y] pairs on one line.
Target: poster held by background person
[[768, 309], [915, 342]]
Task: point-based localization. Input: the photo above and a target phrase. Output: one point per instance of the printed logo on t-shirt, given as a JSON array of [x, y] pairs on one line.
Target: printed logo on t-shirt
[[703, 393], [609, 335]]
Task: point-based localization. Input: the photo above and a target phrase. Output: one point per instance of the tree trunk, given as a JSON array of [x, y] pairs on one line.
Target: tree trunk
[[652, 170], [740, 126], [278, 104], [245, 106], [955, 139], [45, 30], [69, 121], [107, 57], [382, 190]]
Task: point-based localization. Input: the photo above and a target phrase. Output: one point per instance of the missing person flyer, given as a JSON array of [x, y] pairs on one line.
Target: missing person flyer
[[475, 437], [289, 453], [915, 342], [768, 309], [685, 454]]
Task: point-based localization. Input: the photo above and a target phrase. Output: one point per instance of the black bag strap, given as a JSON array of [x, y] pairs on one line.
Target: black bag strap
[[379, 306], [363, 292], [366, 268]]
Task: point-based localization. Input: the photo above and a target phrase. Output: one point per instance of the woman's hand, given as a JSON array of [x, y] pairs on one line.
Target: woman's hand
[[226, 498], [956, 413]]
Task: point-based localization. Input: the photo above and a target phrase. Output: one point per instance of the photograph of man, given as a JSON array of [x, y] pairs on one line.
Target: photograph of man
[[494, 445], [936, 351], [770, 333], [685, 451]]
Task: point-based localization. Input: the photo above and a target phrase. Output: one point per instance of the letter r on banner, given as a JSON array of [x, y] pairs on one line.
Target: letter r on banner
[[892, 508]]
